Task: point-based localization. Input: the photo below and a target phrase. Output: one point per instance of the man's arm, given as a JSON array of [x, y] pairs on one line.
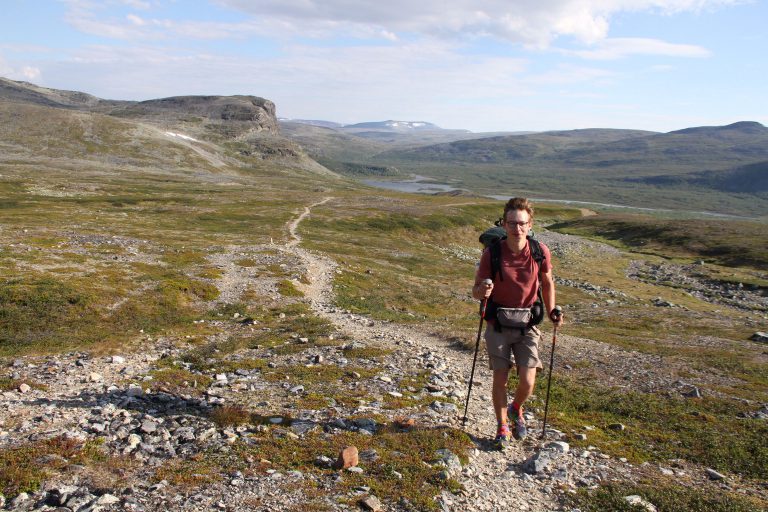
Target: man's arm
[[548, 291], [481, 289]]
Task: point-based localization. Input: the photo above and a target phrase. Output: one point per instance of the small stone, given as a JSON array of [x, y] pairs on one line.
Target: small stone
[[714, 475], [355, 469], [760, 337], [297, 389], [693, 393], [537, 462], [371, 503], [369, 455], [117, 360], [134, 390], [450, 461], [20, 499], [580, 437], [107, 499], [159, 486], [148, 426], [134, 440], [95, 377], [319, 359], [395, 394], [348, 457], [24, 388], [638, 501], [617, 426], [560, 446], [221, 377], [405, 423]]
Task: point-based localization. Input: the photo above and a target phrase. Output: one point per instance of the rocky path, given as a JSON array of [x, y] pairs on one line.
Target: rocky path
[[493, 480]]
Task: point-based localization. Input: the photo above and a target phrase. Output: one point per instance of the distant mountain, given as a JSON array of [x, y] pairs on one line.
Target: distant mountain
[[751, 178], [509, 148], [312, 122], [620, 152], [396, 126], [25, 92], [735, 129]]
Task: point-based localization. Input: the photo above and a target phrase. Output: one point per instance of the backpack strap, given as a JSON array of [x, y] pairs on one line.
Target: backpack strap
[[538, 256], [536, 252], [496, 259]]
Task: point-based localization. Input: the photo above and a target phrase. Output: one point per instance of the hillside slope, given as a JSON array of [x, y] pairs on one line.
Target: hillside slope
[[177, 134]]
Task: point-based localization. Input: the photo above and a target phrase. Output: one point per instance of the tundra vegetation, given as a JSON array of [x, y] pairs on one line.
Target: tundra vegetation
[[113, 237]]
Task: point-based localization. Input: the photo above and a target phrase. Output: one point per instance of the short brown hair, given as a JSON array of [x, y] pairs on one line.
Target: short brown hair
[[518, 203]]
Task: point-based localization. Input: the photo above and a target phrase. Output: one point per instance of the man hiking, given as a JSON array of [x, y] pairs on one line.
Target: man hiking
[[509, 276]]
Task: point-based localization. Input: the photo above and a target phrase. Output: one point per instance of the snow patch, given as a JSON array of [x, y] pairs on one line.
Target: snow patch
[[181, 136]]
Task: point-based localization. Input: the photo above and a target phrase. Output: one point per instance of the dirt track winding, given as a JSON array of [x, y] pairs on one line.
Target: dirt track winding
[[492, 479]]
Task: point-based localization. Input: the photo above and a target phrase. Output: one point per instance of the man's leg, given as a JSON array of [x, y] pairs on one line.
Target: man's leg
[[526, 381], [499, 394], [525, 384]]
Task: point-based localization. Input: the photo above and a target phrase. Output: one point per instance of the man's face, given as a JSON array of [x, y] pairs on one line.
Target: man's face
[[517, 223]]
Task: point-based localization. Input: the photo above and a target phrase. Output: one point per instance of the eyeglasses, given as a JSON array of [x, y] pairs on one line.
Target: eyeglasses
[[512, 223]]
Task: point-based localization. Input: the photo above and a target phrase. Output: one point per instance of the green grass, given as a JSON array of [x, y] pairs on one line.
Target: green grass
[[719, 241], [288, 289], [665, 497], [708, 432], [23, 468], [178, 381]]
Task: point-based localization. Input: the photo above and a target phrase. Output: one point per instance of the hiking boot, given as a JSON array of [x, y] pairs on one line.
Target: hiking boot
[[520, 431], [503, 437]]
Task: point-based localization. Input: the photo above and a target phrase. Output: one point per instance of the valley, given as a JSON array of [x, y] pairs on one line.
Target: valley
[[205, 320]]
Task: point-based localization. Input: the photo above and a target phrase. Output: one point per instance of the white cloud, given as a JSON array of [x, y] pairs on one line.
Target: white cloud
[[136, 20], [616, 48], [137, 4], [532, 22], [15, 72]]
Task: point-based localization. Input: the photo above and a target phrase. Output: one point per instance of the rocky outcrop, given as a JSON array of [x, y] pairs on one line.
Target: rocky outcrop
[[257, 113], [247, 113]]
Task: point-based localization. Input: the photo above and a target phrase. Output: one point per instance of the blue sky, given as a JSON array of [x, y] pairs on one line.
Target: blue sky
[[482, 65]]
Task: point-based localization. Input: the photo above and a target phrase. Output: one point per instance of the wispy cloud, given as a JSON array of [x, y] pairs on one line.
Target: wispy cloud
[[535, 23], [617, 48]]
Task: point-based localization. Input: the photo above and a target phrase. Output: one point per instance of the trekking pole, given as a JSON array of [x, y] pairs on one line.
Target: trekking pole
[[557, 312], [474, 359]]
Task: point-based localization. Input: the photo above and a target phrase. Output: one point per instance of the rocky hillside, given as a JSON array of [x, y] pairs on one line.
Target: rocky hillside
[[216, 133]]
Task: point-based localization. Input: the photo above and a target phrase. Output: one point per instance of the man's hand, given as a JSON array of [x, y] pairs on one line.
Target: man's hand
[[484, 289], [556, 315]]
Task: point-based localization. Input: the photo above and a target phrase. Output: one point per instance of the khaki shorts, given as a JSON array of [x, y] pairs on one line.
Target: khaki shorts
[[510, 348]]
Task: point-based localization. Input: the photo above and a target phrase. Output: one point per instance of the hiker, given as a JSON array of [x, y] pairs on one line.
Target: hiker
[[511, 291]]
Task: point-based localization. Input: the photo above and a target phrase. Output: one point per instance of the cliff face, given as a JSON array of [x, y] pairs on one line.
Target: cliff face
[[257, 113]]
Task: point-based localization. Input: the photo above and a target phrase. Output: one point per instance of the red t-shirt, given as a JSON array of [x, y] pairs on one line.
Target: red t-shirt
[[521, 275]]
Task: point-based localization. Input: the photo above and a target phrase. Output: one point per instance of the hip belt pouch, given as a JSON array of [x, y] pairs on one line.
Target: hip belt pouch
[[513, 317]]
